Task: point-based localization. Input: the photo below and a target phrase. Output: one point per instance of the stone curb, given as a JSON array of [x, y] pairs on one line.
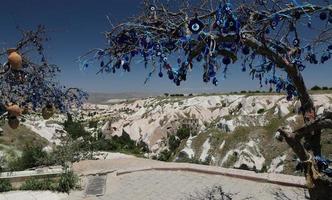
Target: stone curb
[[278, 179]]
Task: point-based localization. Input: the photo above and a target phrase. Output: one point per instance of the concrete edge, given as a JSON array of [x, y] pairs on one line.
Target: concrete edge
[[263, 178]]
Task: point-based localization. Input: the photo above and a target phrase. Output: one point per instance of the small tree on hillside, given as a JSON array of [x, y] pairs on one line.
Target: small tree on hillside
[[267, 38]]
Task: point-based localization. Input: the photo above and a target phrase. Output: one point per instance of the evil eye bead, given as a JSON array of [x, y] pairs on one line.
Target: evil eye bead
[[244, 36], [301, 67], [226, 60], [165, 59], [215, 81], [323, 16], [296, 42], [179, 60], [157, 46], [158, 53], [160, 74], [199, 58], [152, 8], [196, 26], [274, 23]]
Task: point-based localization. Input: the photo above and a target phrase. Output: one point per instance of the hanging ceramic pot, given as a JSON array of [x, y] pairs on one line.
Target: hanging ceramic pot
[[14, 59], [14, 110], [13, 122], [48, 111]]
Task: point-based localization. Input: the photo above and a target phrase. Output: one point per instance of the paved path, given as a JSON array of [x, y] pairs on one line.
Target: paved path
[[142, 179], [29, 195]]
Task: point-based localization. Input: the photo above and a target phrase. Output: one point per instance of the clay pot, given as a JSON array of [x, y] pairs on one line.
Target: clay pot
[[14, 110], [14, 59], [13, 122], [48, 111]]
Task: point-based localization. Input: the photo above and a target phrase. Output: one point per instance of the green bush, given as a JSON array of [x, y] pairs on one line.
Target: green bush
[[260, 111], [165, 155], [316, 88], [120, 144], [173, 143], [183, 133], [93, 124], [39, 184], [67, 182], [32, 156], [74, 129], [5, 185]]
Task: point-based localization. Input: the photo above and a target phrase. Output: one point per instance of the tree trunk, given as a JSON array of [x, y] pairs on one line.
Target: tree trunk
[[322, 186]]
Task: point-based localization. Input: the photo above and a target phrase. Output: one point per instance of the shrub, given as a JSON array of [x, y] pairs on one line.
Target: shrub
[[173, 143], [67, 182], [260, 111], [316, 88], [325, 88], [214, 193], [165, 155], [183, 133], [120, 144], [74, 129], [93, 124], [5, 185], [39, 184], [32, 156]]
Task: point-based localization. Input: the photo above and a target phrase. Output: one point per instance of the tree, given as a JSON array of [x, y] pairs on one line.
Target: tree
[[316, 87], [263, 35], [28, 83]]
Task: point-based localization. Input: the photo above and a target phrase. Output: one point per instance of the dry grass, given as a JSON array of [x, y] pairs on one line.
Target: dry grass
[[20, 137]]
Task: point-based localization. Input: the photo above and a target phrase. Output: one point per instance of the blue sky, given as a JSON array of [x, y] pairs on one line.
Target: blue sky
[[75, 26]]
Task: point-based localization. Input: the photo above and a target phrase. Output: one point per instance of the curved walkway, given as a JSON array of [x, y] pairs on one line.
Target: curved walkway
[[142, 179], [130, 178]]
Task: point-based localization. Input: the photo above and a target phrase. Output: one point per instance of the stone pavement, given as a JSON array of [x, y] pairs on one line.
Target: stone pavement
[[142, 179], [29, 195]]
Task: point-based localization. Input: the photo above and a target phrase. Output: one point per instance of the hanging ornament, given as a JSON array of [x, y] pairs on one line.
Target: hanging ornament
[[226, 60], [14, 59], [323, 16], [152, 8], [246, 50], [170, 74], [215, 81], [48, 111], [160, 74], [206, 77], [296, 42], [195, 25], [13, 122], [14, 110]]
